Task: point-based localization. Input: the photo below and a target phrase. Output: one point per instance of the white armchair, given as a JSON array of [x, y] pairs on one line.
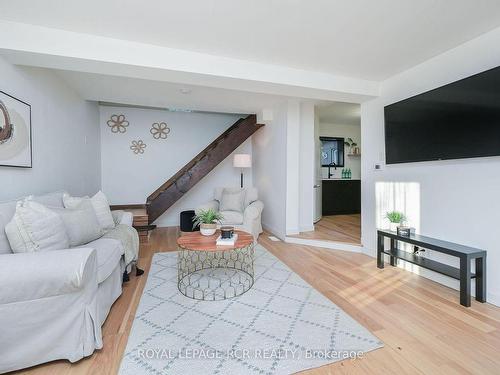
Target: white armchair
[[249, 220]]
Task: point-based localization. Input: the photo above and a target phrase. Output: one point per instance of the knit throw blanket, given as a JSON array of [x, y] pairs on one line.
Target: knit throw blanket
[[130, 240]]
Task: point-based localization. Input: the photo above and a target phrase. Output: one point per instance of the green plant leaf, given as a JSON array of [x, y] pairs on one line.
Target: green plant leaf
[[396, 217], [209, 216]]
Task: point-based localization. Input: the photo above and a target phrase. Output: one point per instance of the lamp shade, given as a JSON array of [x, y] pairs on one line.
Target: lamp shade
[[242, 161]]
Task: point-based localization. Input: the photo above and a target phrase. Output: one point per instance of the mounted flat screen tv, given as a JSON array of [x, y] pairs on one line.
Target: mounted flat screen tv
[[459, 120]]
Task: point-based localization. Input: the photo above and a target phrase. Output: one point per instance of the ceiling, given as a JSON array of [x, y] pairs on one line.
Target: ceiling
[[357, 38], [339, 113], [157, 94], [173, 96]]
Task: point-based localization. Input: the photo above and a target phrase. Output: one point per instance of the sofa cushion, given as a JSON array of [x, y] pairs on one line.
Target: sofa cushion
[[123, 217], [34, 227], [8, 208], [232, 217], [81, 224], [109, 253], [100, 204], [232, 200], [5, 216], [50, 199]]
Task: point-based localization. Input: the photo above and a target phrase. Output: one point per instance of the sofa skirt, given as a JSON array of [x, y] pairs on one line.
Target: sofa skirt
[[109, 291]]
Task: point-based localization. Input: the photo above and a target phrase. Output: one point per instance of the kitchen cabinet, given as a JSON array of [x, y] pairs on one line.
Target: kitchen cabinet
[[341, 196]]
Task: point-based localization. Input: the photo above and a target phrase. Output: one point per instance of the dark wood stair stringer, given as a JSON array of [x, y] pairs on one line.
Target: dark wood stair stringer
[[189, 175]]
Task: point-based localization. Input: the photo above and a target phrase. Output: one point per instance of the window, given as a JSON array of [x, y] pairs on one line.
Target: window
[[332, 151]]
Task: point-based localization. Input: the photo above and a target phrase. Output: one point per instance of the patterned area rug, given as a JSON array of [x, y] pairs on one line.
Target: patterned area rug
[[280, 326]]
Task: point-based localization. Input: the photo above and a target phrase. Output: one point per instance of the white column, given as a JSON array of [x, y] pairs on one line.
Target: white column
[[292, 166], [306, 167]]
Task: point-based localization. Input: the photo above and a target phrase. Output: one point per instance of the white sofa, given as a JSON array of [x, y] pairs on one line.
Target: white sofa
[[52, 304], [250, 220]]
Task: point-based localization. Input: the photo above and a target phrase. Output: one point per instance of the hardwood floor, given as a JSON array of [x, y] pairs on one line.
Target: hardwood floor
[[337, 228], [424, 328]]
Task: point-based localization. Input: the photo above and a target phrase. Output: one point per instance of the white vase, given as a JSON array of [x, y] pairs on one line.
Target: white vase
[[208, 229], [394, 227]]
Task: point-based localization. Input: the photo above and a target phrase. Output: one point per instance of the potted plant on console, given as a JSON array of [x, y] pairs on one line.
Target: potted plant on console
[[207, 220], [396, 218]]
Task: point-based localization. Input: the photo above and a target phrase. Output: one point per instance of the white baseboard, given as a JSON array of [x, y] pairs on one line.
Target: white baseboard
[[292, 231], [272, 230], [309, 228], [325, 244], [493, 298]]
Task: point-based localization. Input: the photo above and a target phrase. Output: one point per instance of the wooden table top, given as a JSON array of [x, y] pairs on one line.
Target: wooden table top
[[196, 241]]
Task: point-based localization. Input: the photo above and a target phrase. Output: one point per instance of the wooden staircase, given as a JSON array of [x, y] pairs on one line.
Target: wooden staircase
[[188, 176]]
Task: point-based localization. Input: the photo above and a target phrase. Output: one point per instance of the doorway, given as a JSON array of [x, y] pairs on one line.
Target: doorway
[[337, 187]]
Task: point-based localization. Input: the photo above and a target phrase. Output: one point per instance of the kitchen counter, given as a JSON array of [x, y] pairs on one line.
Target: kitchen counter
[[340, 179]]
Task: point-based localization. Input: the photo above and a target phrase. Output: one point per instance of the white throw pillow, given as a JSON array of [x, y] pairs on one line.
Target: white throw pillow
[[73, 202], [34, 227], [232, 200], [81, 223], [101, 208]]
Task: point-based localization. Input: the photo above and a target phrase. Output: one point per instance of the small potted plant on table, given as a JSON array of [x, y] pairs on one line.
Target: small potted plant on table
[[207, 220], [395, 218]]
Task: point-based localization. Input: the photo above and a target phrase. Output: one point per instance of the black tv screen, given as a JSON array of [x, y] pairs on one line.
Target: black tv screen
[[459, 120]]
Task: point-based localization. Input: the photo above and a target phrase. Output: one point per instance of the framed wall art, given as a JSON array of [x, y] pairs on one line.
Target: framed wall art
[[15, 132]]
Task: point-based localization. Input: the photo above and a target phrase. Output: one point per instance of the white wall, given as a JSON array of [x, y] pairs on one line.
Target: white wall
[[269, 169], [459, 199], [345, 131], [65, 131], [128, 178]]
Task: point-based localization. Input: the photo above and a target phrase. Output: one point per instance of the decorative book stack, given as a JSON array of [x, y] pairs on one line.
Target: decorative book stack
[[227, 241]]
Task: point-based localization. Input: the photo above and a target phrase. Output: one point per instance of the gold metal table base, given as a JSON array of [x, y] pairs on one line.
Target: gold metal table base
[[215, 275]]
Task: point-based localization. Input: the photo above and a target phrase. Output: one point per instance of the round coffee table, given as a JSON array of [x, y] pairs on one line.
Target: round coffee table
[[208, 272]]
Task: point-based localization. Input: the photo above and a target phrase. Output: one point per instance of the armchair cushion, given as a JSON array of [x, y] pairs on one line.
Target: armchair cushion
[[232, 218], [232, 200], [248, 220], [251, 194], [214, 205]]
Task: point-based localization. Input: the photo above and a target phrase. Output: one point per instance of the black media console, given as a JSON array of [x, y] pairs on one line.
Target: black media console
[[464, 253]]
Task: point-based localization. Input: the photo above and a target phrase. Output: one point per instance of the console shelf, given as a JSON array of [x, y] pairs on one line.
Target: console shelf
[[465, 253], [429, 264]]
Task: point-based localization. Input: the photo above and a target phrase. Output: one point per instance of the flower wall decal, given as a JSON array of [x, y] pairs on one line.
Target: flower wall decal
[[159, 130], [138, 147], [118, 124]]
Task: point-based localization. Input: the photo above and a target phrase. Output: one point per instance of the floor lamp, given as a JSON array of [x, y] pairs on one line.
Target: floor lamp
[[242, 161]]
